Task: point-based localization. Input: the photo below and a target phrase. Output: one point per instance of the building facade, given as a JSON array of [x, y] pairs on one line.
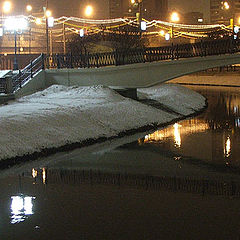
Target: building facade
[[222, 11]]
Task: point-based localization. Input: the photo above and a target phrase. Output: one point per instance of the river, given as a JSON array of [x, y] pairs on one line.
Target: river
[[180, 182]]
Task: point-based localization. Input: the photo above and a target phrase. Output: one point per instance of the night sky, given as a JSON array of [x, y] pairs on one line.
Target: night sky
[[191, 6], [72, 7]]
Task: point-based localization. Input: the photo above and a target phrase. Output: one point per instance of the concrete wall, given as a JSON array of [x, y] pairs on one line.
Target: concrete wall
[[125, 77], [37, 83], [137, 75]]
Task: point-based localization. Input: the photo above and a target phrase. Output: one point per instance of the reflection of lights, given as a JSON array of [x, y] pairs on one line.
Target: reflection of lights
[[21, 207], [187, 127], [227, 149], [34, 173], [44, 175], [177, 137]]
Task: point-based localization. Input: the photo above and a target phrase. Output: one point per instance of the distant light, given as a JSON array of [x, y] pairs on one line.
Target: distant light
[[226, 5], [175, 17], [38, 21], [235, 37], [48, 13], [5, 54], [81, 32], [88, 11], [29, 8], [1, 32], [200, 20], [15, 23], [143, 26], [50, 21], [167, 36], [7, 6], [236, 29], [21, 49], [162, 33], [133, 1]]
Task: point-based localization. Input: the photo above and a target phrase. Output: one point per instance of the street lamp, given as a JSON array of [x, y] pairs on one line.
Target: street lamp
[[15, 25], [29, 8], [88, 11], [138, 4], [7, 6], [174, 18]]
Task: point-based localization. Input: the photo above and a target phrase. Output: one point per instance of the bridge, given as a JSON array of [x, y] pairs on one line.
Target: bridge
[[129, 70]]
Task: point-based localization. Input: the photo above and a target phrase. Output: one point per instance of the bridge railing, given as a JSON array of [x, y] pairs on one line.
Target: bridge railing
[[122, 57], [27, 73]]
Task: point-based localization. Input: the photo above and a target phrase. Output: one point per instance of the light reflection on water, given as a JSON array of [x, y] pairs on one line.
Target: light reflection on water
[[21, 207], [212, 136], [118, 189]]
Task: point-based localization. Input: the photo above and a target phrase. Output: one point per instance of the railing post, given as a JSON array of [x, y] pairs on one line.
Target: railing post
[[88, 64], [42, 58], [96, 60], [172, 52], [31, 69], [58, 61], [71, 60], [116, 57], [20, 80], [176, 54]]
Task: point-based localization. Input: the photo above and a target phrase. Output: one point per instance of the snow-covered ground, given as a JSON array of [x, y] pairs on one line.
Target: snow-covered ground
[[62, 115]]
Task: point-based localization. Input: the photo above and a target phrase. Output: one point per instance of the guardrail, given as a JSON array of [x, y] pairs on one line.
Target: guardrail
[[171, 183], [121, 57], [172, 52]]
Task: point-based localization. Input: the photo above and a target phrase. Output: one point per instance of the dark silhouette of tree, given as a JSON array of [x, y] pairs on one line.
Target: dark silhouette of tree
[[123, 38]]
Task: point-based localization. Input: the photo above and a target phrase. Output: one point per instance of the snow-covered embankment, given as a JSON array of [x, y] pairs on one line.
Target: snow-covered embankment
[[60, 116]]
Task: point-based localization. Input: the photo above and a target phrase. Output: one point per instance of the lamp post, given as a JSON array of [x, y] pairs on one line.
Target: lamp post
[[15, 25], [225, 6], [88, 11], [173, 18], [138, 4]]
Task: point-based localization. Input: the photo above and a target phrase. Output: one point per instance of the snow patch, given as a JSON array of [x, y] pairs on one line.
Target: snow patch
[[61, 115]]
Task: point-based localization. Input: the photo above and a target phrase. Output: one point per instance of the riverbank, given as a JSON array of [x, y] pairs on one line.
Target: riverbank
[[217, 79], [62, 118]]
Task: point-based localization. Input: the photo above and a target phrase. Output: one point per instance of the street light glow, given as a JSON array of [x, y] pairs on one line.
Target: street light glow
[[15, 23], [51, 21], [48, 13], [88, 11], [226, 5], [38, 21], [7, 6], [29, 8], [175, 17]]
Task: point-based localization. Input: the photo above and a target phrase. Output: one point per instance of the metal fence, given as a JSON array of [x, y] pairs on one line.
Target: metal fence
[[123, 57], [27, 73], [130, 56], [174, 184]]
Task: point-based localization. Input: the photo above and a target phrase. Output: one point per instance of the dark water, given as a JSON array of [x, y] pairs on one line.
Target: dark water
[[181, 182]]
